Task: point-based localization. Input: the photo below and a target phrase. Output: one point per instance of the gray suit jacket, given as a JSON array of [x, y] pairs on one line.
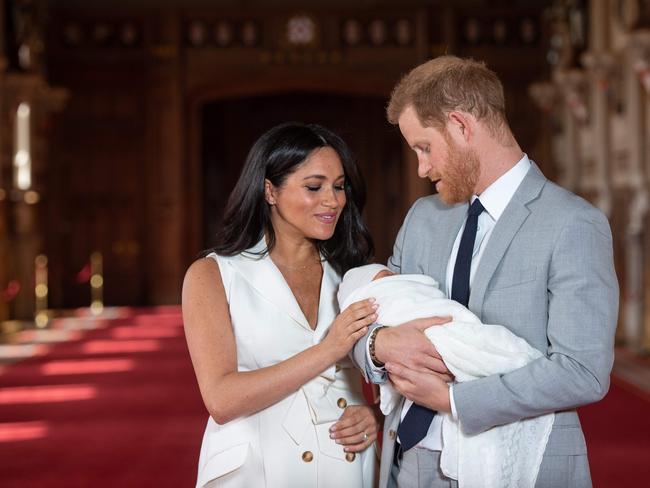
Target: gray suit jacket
[[547, 274]]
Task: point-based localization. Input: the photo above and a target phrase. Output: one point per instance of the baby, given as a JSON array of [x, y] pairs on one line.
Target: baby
[[470, 350]]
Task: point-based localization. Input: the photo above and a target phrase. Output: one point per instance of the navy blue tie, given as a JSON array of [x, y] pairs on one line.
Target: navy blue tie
[[416, 422], [460, 282]]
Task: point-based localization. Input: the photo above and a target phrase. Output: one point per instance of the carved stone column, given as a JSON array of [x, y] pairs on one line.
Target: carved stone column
[[569, 90], [546, 96], [599, 64], [635, 102]]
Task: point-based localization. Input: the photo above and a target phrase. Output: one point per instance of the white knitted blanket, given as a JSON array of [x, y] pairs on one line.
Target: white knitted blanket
[[505, 456]]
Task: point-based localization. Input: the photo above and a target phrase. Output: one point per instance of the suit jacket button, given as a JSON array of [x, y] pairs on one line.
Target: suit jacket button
[[392, 434], [307, 456], [349, 457], [342, 403]]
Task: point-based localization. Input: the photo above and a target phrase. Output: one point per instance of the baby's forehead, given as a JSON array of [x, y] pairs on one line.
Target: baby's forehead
[[382, 274]]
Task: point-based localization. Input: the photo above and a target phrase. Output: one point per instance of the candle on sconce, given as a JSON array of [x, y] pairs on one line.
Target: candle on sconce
[[22, 149], [41, 291], [96, 283]]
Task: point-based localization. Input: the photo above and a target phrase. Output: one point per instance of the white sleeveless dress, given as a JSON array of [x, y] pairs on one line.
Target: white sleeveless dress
[[288, 443]]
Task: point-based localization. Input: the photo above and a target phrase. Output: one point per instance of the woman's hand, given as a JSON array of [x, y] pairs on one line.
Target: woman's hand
[[356, 429], [350, 326]]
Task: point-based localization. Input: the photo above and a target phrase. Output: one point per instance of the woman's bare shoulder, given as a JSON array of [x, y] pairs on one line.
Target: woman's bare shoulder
[[203, 274]]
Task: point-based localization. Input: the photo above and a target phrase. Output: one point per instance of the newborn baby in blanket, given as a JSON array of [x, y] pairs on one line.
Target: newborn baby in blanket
[[504, 456]]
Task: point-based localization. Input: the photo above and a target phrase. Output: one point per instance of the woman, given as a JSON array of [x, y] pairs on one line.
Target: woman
[[268, 348]]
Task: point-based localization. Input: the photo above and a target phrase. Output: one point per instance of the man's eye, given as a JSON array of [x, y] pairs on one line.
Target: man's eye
[[426, 149]]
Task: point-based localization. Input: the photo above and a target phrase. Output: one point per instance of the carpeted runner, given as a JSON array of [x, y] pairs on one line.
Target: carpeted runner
[[119, 407], [618, 437], [129, 417]]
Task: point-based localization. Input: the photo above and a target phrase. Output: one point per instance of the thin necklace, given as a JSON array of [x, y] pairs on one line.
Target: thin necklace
[[301, 267]]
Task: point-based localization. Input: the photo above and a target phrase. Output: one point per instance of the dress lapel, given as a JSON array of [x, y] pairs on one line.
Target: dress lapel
[[260, 272], [513, 217], [328, 306]]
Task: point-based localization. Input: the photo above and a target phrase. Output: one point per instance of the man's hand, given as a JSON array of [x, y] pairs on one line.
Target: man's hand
[[407, 345], [426, 389]]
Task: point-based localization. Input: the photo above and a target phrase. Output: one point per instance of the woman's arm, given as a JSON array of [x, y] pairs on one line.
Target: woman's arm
[[228, 393]]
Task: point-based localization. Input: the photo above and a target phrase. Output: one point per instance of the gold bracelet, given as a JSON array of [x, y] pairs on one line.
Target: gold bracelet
[[371, 346]]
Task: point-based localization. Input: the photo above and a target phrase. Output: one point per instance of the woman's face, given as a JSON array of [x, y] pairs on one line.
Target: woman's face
[[310, 202]]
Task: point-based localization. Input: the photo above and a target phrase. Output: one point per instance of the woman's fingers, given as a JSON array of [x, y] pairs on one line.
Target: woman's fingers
[[360, 446], [356, 436], [351, 431], [356, 427], [359, 334], [357, 329], [350, 326], [352, 416], [349, 418], [359, 310], [364, 321]]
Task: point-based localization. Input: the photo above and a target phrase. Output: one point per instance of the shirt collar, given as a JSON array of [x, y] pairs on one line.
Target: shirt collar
[[495, 198]]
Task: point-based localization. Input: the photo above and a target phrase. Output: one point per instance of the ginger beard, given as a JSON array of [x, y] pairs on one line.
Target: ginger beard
[[459, 174]]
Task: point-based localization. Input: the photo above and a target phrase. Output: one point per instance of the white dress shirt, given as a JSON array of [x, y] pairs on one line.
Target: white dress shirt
[[495, 199]]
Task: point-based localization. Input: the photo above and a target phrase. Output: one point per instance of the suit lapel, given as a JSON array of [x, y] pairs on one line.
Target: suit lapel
[[513, 217], [451, 219]]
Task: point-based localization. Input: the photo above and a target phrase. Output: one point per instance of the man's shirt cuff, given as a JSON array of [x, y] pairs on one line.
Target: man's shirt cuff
[[374, 374], [454, 414]]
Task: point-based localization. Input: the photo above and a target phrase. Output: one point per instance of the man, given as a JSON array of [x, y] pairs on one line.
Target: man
[[526, 254]]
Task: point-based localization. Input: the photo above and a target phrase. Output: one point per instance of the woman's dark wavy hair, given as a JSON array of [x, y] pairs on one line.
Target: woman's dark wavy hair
[[274, 156]]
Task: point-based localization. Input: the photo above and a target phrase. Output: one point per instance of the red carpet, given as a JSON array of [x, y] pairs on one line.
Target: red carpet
[[618, 437], [119, 407]]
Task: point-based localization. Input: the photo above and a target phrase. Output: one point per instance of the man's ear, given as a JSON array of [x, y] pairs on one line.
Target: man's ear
[[269, 192], [460, 126]]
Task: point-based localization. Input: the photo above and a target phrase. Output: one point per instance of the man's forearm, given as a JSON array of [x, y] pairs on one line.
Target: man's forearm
[[360, 357], [543, 386]]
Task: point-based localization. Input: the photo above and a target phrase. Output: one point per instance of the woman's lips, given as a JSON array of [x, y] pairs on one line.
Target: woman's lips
[[327, 218]]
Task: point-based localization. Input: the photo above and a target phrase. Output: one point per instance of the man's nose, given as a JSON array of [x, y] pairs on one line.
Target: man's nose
[[423, 167]]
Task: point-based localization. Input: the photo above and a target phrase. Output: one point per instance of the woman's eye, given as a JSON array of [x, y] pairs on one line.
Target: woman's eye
[[313, 188], [339, 187]]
